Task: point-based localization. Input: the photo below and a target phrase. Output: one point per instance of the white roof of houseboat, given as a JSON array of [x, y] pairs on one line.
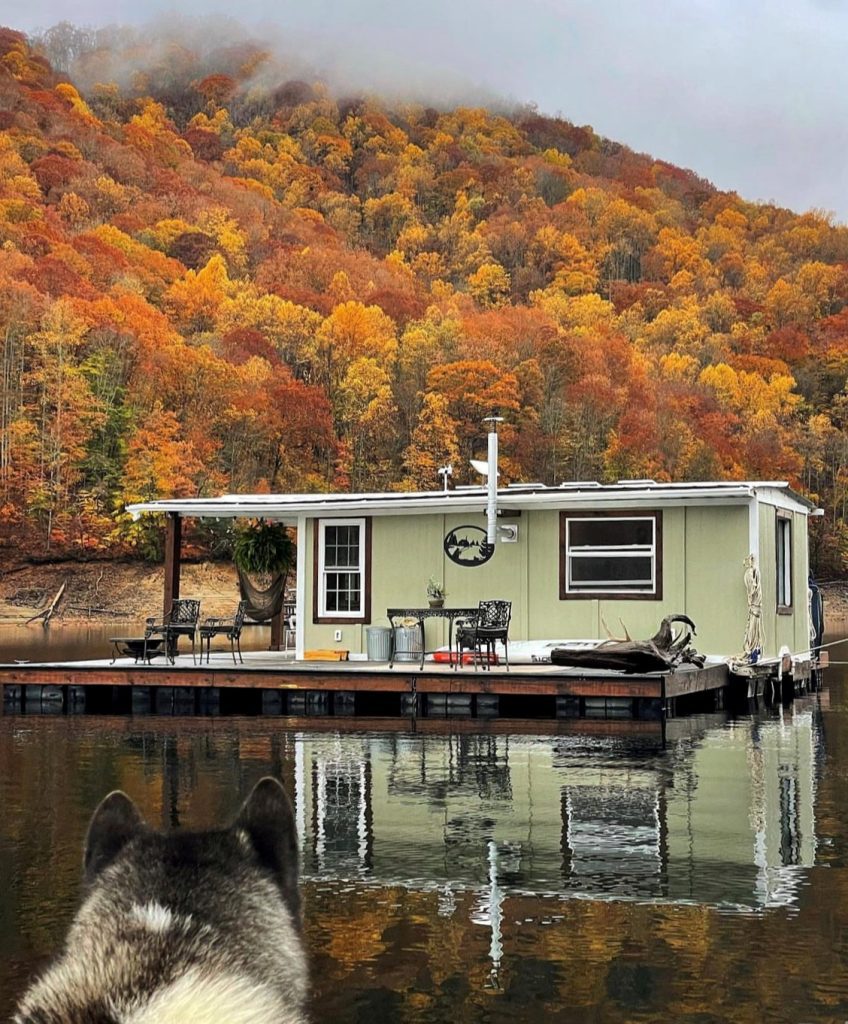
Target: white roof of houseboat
[[516, 497]]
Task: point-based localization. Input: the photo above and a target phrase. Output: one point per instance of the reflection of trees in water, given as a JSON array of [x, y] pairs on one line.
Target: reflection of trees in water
[[454, 766], [432, 949]]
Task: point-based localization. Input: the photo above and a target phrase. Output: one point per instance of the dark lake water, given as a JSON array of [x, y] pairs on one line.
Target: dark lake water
[[78, 642], [470, 876]]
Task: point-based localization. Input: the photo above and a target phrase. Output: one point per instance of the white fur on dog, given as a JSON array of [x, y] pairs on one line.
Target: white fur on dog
[[197, 998], [153, 916]]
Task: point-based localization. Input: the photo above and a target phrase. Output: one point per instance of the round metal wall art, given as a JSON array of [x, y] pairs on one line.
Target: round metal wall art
[[467, 546]]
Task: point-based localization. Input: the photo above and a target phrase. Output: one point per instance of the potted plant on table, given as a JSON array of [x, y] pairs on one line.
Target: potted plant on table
[[436, 592]]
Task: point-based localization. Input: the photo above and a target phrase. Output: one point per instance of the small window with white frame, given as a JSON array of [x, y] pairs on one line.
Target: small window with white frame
[[341, 569], [617, 555], [784, 561]]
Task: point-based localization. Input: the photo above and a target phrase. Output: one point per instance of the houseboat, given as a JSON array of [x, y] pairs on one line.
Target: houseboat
[[577, 562]]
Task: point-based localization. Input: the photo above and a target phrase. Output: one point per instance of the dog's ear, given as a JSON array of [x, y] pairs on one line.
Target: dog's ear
[[115, 822], [268, 821]]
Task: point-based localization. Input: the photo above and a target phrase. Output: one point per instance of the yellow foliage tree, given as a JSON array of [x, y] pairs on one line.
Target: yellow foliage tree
[[352, 331], [194, 301], [489, 285], [434, 443]]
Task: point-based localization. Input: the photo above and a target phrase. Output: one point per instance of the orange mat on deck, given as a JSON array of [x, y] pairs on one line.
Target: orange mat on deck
[[446, 658]]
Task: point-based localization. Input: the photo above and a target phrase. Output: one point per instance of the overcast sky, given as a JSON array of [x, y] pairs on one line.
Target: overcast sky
[[751, 94]]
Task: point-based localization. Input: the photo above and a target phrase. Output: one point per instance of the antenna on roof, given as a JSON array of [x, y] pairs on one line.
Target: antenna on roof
[[445, 472]]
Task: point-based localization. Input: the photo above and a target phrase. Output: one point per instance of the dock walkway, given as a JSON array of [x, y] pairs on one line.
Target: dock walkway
[[279, 670]]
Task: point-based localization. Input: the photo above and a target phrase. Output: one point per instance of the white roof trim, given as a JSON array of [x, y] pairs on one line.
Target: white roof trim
[[636, 494]]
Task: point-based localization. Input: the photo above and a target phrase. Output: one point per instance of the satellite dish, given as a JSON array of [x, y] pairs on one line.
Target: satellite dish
[[481, 467]]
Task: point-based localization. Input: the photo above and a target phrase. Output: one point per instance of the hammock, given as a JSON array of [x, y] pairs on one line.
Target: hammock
[[262, 605]]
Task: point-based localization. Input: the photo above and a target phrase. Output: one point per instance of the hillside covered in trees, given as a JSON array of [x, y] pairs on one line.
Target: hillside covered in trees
[[217, 278]]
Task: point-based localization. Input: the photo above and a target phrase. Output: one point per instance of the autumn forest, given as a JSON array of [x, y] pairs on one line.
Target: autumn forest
[[218, 277]]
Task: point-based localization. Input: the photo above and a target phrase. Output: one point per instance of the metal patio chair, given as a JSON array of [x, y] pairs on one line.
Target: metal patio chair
[[181, 620], [230, 628], [490, 624]]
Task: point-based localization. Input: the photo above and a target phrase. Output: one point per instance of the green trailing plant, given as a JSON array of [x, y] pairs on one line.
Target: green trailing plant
[[264, 548]]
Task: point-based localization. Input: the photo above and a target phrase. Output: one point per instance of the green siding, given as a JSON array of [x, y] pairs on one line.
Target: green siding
[[717, 543], [703, 552], [791, 630]]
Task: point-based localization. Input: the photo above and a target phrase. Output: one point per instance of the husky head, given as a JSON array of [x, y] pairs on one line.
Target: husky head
[[187, 927]]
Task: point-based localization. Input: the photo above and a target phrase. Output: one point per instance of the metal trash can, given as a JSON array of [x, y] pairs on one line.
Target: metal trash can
[[408, 644], [378, 642]]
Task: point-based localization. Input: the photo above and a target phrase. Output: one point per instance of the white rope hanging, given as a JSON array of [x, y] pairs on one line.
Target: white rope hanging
[[810, 618], [754, 637]]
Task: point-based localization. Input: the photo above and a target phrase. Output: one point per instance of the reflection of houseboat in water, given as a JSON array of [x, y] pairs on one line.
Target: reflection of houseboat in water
[[722, 816]]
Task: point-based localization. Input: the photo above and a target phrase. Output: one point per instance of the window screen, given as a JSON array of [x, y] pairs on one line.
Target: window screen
[[615, 555]]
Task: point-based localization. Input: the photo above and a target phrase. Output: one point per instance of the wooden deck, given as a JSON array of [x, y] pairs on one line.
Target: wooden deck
[[275, 671]]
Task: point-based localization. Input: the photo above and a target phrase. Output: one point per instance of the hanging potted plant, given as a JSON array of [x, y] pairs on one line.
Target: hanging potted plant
[[266, 550], [436, 592]]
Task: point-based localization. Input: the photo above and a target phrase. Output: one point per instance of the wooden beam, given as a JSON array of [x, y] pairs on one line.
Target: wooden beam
[[277, 632], [173, 539], [686, 680], [324, 678]]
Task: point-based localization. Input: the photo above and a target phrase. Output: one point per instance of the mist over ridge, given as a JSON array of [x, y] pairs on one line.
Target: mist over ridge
[[139, 57], [753, 96]]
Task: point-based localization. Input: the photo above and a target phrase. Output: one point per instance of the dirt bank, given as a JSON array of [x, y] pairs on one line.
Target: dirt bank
[[835, 596], [110, 591]]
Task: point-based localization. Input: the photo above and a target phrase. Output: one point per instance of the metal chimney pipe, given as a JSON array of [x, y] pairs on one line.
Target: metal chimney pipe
[[492, 480]]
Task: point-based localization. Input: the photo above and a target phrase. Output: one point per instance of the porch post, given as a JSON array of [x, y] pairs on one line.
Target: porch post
[[173, 537], [277, 631]]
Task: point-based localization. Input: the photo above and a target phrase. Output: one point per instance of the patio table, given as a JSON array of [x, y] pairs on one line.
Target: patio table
[[420, 614], [139, 647]]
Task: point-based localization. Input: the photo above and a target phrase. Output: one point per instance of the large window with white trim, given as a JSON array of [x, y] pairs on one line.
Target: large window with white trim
[[611, 554], [341, 569], [784, 561]]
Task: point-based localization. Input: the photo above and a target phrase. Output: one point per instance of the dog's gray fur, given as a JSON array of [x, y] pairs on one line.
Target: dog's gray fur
[[187, 927]]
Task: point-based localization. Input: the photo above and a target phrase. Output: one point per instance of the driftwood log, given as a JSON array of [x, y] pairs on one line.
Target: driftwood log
[[665, 650], [48, 611]]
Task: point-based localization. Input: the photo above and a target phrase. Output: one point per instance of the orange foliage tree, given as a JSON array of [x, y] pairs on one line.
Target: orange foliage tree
[[216, 278]]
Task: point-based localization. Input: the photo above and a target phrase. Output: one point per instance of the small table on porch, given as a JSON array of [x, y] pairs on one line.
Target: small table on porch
[[139, 647], [420, 614]]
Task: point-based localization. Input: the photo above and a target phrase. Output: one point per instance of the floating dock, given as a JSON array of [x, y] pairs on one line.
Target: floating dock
[[274, 683]]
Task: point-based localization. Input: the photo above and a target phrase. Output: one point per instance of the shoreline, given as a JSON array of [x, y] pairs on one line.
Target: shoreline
[[109, 591], [121, 590]]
